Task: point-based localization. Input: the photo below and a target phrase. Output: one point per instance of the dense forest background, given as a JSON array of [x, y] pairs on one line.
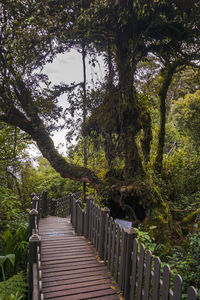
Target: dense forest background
[[133, 139]]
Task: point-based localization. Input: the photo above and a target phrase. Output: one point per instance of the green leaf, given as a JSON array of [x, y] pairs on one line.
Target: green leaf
[[2, 260], [11, 258]]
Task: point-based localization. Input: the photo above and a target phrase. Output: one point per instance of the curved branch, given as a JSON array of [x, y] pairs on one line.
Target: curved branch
[[46, 146]]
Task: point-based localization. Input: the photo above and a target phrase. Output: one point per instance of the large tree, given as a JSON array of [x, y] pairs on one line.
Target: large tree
[[33, 32]]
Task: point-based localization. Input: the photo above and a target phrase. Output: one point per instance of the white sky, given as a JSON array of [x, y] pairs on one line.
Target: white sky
[[68, 68]]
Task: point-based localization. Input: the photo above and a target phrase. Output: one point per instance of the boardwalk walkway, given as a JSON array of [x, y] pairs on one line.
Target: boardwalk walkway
[[70, 269]]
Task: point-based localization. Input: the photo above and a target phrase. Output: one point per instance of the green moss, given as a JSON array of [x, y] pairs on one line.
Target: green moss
[[191, 217], [189, 221]]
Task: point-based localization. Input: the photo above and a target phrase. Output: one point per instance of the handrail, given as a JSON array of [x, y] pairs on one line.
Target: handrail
[[35, 273]]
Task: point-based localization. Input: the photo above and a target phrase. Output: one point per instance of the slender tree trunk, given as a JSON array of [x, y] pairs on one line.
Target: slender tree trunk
[[84, 115], [167, 75]]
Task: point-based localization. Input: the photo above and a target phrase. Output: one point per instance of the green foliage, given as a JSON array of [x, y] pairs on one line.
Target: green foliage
[[3, 259], [185, 261], [14, 229], [186, 114], [15, 288], [145, 238], [50, 180]]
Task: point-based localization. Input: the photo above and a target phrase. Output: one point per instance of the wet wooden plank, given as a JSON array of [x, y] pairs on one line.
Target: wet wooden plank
[[59, 261], [96, 290], [68, 272], [77, 285], [71, 266], [76, 279]]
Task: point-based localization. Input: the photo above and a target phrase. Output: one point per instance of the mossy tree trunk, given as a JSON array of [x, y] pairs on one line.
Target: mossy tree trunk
[[167, 76], [129, 112]]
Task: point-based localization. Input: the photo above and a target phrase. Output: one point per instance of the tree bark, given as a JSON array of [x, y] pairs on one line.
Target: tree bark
[[129, 112], [84, 115], [167, 76]]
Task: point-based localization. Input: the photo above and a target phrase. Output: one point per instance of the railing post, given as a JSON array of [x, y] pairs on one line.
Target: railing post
[[104, 212], [74, 212], [33, 213], [78, 203], [32, 201], [44, 205], [34, 241], [71, 207], [87, 218], [130, 235]]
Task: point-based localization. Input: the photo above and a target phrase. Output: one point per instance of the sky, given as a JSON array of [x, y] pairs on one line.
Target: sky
[[68, 68]]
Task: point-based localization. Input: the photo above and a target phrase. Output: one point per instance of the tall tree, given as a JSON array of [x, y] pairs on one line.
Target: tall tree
[[32, 34]]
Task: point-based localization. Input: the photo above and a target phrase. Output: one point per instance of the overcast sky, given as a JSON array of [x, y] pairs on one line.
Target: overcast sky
[[68, 68]]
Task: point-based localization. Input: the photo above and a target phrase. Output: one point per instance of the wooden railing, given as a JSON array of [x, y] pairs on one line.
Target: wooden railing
[[34, 263], [136, 271], [55, 207]]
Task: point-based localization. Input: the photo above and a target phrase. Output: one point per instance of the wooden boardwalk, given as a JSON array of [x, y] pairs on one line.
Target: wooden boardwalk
[[70, 269]]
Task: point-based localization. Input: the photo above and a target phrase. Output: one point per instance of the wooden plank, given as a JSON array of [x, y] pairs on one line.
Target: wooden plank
[[113, 248], [109, 297], [92, 277], [140, 273], [177, 291], [73, 271], [98, 228], [70, 275], [95, 225], [110, 241], [82, 284], [86, 295], [59, 261], [67, 256], [191, 293], [166, 283], [147, 275], [134, 269], [106, 239], [122, 260], [90, 220], [130, 235], [70, 266], [66, 251], [156, 279], [117, 252], [95, 290], [64, 243]]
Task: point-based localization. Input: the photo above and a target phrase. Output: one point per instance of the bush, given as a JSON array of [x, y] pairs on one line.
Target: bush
[[14, 288]]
